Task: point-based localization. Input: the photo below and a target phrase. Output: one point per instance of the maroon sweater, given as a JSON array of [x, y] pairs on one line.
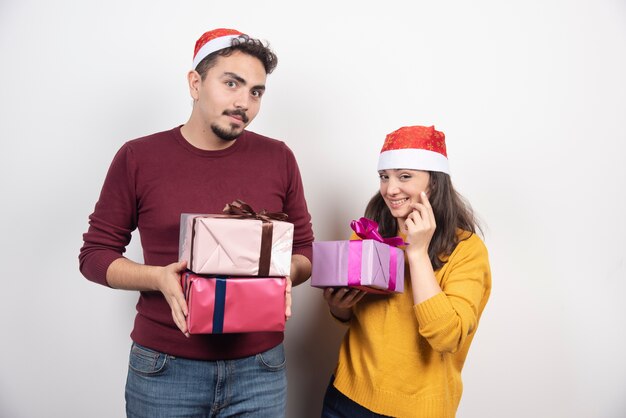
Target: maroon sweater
[[151, 181]]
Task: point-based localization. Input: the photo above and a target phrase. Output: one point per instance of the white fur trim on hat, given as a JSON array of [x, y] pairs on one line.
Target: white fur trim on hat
[[213, 45], [413, 159]]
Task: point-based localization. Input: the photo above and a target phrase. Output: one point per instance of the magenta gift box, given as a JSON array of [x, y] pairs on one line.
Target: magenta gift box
[[225, 245], [366, 264], [219, 305]]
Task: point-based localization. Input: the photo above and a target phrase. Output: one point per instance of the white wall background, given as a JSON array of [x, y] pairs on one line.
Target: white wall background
[[531, 95]]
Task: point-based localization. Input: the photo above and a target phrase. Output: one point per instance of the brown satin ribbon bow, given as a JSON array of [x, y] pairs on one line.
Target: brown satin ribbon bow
[[241, 208]]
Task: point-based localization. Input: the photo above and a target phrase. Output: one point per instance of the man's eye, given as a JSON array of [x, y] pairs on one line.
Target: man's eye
[[256, 93], [231, 84]]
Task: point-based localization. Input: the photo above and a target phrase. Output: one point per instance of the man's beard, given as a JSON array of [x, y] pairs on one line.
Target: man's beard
[[230, 135], [224, 134]]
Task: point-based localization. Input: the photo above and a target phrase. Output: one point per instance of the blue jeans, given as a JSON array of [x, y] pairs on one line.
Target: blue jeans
[[160, 385], [338, 405]]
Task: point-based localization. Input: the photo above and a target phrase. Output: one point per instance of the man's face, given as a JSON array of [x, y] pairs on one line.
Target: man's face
[[229, 97]]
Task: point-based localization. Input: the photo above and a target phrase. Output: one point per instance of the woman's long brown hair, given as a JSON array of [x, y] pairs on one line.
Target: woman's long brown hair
[[452, 212]]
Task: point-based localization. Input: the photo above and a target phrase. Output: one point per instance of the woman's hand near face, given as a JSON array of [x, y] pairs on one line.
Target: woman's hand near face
[[341, 300], [420, 226]]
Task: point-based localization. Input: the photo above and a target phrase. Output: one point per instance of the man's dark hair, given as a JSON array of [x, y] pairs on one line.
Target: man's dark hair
[[247, 45]]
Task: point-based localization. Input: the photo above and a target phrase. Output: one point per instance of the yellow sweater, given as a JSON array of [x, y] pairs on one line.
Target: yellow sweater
[[405, 360]]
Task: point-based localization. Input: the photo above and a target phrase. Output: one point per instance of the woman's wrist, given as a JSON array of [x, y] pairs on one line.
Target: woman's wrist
[[342, 315], [417, 254]]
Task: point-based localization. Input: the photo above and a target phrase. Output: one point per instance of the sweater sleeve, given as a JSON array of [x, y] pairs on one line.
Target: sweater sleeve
[[447, 319], [113, 220], [296, 208]]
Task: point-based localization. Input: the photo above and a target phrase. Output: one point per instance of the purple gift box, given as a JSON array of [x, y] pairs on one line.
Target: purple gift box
[[368, 264]]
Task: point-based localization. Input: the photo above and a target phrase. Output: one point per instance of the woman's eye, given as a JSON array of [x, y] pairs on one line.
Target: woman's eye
[[405, 177]]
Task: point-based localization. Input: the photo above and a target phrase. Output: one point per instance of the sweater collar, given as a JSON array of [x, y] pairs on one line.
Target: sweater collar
[[207, 153]]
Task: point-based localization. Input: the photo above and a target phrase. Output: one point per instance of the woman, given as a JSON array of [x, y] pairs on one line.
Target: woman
[[403, 353]]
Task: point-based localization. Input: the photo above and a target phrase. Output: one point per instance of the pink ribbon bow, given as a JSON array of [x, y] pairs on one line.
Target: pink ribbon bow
[[368, 229]]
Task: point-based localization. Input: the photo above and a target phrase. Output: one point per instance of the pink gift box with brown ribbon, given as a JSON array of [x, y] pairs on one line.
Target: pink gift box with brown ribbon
[[238, 242]]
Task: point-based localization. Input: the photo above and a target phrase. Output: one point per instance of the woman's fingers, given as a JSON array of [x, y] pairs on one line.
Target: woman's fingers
[[422, 214], [342, 297], [428, 207]]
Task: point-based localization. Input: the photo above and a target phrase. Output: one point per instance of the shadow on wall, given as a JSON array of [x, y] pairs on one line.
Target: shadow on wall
[[312, 346], [337, 227]]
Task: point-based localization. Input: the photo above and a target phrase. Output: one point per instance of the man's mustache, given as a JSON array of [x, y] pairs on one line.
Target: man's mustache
[[237, 112]]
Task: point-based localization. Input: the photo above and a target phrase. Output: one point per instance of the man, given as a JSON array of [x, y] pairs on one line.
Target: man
[[197, 168]]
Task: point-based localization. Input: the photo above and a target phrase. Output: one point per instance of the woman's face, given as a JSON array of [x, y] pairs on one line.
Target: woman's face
[[399, 188]]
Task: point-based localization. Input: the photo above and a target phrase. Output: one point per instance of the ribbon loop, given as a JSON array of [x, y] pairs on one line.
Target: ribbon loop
[[368, 229], [240, 208]]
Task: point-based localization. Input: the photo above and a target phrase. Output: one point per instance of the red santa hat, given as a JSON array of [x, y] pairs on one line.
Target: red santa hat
[[212, 41], [415, 148]]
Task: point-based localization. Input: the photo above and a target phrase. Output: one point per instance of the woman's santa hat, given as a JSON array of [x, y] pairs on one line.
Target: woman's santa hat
[[212, 41], [415, 148]]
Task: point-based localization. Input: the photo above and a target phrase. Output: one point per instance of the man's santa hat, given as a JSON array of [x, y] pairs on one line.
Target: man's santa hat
[[415, 148], [212, 41]]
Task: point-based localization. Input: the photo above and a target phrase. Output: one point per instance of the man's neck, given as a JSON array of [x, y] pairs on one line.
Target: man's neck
[[203, 137]]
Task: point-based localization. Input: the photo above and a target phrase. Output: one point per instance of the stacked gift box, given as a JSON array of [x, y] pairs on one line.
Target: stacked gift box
[[371, 263], [237, 262]]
